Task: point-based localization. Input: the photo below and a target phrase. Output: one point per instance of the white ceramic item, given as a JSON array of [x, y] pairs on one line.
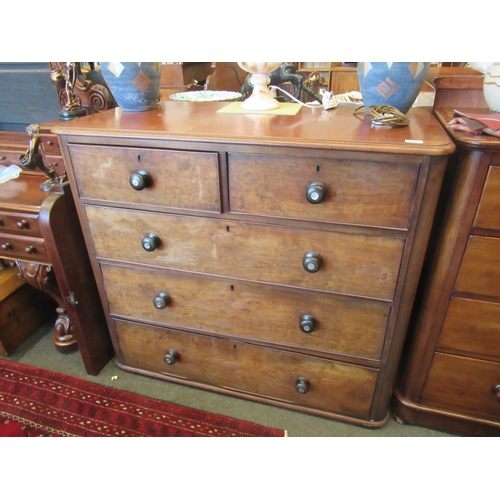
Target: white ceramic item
[[491, 87], [261, 99]]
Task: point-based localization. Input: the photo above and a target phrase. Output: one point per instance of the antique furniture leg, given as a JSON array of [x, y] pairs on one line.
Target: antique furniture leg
[[42, 277]]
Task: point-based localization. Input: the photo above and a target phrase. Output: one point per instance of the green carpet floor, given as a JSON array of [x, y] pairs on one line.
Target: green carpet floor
[[39, 351]]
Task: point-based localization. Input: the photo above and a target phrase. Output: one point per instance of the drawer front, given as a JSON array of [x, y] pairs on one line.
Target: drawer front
[[248, 310], [57, 163], [50, 144], [184, 180], [488, 212], [19, 223], [480, 269], [335, 387], [22, 248], [357, 192], [472, 326], [464, 385], [8, 158], [351, 264]]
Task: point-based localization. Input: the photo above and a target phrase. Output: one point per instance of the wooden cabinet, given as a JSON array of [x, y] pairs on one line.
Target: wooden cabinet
[[269, 257], [452, 381], [41, 234], [336, 77]]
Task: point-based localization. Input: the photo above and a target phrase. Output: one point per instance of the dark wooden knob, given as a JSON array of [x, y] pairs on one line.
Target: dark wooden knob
[[307, 323], [140, 180], [22, 224], [151, 242], [171, 357], [6, 246], [312, 262], [302, 385], [316, 193], [31, 249], [496, 392], [50, 143], [162, 300]]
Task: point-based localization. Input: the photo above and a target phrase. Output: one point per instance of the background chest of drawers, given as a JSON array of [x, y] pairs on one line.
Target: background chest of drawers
[[452, 381], [265, 256], [41, 234]]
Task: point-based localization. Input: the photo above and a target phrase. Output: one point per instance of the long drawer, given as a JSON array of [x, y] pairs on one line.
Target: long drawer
[[20, 222], [471, 326], [350, 263], [248, 369], [480, 269], [463, 385], [357, 192], [290, 318], [488, 212], [175, 179], [23, 248]]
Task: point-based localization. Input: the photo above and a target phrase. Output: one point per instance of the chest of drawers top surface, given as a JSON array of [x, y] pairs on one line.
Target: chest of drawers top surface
[[335, 129]]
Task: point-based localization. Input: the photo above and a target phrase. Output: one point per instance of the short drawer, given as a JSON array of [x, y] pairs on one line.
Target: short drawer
[[57, 163], [163, 178], [50, 144], [351, 264], [488, 212], [333, 387], [463, 385], [472, 326], [20, 223], [252, 311], [480, 269], [23, 248], [357, 192]]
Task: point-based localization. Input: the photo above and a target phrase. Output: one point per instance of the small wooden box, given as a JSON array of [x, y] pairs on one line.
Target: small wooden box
[[23, 310]]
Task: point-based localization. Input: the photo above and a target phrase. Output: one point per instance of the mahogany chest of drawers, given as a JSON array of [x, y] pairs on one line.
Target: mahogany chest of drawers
[[452, 380], [270, 257]]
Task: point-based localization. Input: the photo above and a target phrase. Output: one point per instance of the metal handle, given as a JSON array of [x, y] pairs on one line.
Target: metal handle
[[151, 242], [312, 262], [316, 193], [162, 300], [307, 323], [302, 385], [140, 180], [496, 392], [171, 357]]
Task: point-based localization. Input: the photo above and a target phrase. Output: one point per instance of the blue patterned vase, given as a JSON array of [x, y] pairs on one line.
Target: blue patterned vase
[[396, 84], [134, 85]]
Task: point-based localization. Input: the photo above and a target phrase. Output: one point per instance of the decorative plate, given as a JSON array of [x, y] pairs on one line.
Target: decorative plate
[[206, 96]]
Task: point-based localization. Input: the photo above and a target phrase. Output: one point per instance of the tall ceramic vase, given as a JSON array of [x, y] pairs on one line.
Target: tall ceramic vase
[[396, 84], [134, 85], [491, 87]]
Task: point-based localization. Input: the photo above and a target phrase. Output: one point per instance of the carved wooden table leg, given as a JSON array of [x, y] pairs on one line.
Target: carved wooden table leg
[[42, 277]]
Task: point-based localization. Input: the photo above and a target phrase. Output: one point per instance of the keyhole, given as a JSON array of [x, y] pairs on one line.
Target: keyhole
[[318, 167], [227, 229], [139, 158]]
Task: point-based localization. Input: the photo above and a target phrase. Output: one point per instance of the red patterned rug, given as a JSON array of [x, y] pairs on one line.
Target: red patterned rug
[[38, 402]]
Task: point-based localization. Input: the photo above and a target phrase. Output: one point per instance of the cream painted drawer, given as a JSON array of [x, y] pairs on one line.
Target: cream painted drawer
[[290, 318], [248, 369], [357, 192], [351, 264], [177, 179]]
